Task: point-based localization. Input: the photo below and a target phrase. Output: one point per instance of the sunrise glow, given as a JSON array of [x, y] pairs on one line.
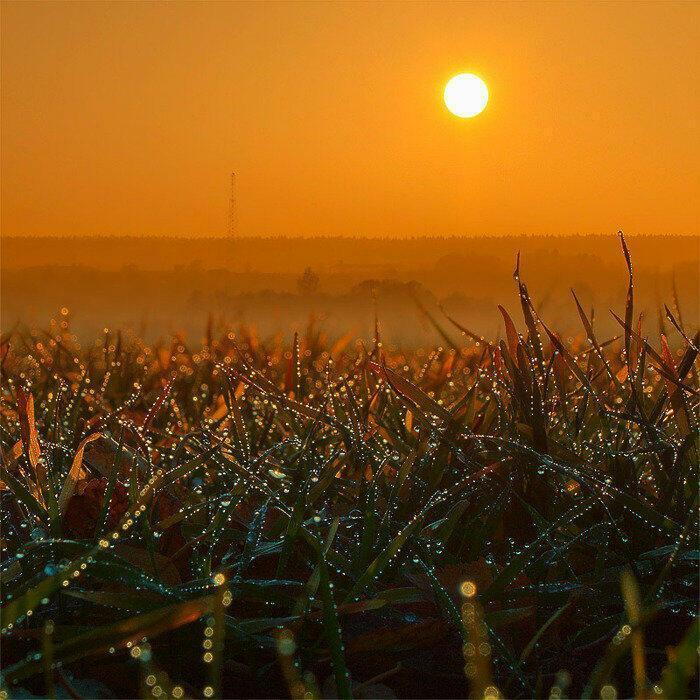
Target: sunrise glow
[[466, 95]]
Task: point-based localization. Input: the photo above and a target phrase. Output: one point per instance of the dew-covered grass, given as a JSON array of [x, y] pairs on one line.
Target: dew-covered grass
[[325, 517]]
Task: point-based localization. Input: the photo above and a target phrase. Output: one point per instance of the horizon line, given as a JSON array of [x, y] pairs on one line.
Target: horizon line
[[307, 237]]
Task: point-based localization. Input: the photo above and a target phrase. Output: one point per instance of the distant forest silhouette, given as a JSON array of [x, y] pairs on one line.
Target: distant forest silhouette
[[159, 286]]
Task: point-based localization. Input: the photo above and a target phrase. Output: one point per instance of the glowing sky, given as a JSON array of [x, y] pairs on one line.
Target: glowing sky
[[126, 118]]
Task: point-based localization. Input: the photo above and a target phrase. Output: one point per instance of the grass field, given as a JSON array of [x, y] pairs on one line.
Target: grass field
[[249, 518]]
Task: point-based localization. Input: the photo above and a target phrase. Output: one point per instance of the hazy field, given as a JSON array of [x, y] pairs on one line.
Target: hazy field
[[160, 286], [317, 516]]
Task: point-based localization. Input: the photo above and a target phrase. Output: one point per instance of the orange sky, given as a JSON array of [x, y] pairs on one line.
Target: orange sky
[[126, 118]]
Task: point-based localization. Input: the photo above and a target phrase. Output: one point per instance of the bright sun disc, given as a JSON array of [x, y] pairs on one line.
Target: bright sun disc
[[466, 95]]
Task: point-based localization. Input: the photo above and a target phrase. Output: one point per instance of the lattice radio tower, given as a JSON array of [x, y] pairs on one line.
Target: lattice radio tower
[[233, 209]]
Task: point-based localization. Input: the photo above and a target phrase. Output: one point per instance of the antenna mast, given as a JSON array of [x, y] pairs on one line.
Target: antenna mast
[[233, 209]]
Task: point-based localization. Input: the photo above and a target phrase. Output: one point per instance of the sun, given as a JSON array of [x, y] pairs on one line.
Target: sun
[[466, 95]]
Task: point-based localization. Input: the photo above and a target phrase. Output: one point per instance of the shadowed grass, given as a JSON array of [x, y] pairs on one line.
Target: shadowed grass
[[251, 519]]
